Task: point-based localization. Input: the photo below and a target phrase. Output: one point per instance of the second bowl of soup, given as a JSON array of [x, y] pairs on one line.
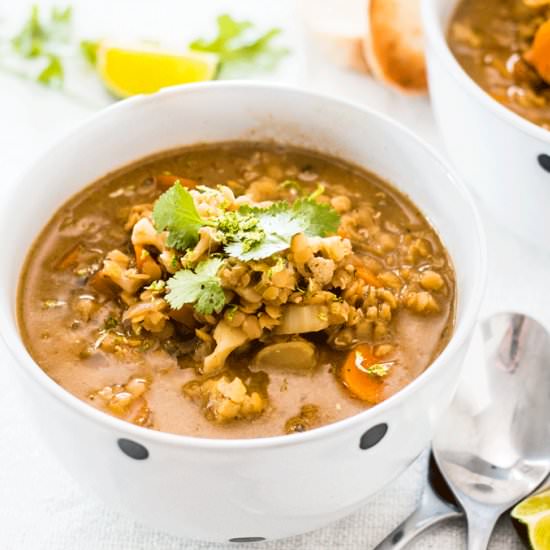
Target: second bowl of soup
[[490, 86], [237, 324]]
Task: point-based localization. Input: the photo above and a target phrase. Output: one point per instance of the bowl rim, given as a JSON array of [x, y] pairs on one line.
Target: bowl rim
[[435, 35], [10, 334]]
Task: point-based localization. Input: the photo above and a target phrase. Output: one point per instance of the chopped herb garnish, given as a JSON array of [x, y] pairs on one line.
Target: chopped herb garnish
[[279, 223], [292, 184], [239, 47], [200, 287], [231, 310], [156, 286], [250, 233], [378, 370], [279, 266], [110, 323]]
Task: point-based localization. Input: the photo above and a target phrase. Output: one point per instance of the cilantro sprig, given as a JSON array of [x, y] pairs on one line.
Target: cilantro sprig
[[200, 287], [240, 47], [250, 233], [39, 38]]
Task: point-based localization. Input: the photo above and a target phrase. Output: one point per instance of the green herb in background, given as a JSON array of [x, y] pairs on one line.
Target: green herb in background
[[53, 74], [88, 48], [240, 48], [238, 45], [29, 42], [39, 38]]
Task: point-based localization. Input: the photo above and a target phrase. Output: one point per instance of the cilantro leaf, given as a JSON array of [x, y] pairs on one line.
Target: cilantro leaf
[[275, 227], [317, 219], [175, 212], [201, 287], [88, 48], [52, 74], [239, 47]]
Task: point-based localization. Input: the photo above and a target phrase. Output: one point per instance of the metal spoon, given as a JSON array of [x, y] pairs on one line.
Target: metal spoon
[[493, 444], [437, 504]]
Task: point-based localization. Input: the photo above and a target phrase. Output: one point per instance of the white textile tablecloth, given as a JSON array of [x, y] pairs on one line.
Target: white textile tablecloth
[[41, 507]]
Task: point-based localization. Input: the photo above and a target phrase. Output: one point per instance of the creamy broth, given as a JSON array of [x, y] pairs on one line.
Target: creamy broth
[[391, 295]]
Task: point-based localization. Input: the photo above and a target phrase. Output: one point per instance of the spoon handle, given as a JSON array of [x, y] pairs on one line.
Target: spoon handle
[[432, 509], [480, 529]]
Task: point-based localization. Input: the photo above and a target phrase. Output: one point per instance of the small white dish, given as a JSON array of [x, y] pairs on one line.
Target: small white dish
[[503, 157], [254, 489]]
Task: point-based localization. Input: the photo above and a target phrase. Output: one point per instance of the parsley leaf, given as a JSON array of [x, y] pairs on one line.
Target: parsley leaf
[[275, 227], [175, 212], [238, 47], [88, 48], [52, 74], [201, 287]]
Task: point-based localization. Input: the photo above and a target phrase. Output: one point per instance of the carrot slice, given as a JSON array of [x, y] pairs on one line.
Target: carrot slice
[[165, 181], [71, 258], [365, 386], [539, 54]]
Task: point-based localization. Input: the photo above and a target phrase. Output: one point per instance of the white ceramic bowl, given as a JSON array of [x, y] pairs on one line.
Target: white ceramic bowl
[[267, 488], [502, 156]]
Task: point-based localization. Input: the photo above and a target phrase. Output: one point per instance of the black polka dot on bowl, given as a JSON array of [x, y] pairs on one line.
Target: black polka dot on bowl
[[544, 161], [132, 449], [373, 436], [247, 539]]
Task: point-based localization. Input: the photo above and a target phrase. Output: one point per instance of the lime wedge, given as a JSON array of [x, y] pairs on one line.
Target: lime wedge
[[128, 71], [534, 512]]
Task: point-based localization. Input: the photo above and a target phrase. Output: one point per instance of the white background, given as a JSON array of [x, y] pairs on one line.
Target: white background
[[41, 508]]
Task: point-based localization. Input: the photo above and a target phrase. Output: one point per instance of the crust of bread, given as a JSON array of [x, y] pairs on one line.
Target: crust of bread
[[394, 44]]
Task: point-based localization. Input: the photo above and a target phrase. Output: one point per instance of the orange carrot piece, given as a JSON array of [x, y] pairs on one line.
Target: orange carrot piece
[[165, 181], [365, 386], [71, 258], [539, 54], [368, 276]]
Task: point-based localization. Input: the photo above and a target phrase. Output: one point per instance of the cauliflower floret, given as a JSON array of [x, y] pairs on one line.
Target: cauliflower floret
[[149, 315], [211, 203], [115, 267], [227, 339], [225, 400], [322, 270], [145, 234], [336, 248], [207, 244]]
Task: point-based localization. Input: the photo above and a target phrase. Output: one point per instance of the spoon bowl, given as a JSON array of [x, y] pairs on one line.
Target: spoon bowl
[[493, 444]]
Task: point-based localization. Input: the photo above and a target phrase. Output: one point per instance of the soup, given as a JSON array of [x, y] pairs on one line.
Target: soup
[[504, 45], [236, 290]]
